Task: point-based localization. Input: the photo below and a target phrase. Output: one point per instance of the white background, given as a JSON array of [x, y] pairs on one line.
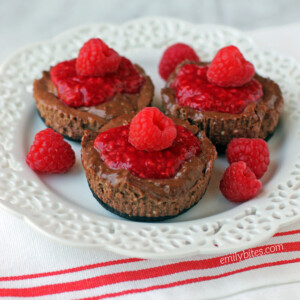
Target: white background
[[27, 21]]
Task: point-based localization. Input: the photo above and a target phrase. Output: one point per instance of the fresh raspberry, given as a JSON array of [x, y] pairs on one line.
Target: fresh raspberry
[[254, 152], [173, 56], [151, 130], [95, 58], [239, 183], [49, 153], [229, 68]]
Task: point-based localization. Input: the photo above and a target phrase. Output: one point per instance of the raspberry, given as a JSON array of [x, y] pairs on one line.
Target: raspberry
[[254, 152], [229, 68], [174, 55], [95, 58], [151, 130], [49, 153], [239, 183]]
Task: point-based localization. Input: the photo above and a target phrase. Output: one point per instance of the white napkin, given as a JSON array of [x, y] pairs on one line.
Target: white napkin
[[34, 266]]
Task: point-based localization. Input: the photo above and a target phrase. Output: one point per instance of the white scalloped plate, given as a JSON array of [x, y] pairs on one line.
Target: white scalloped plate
[[62, 207]]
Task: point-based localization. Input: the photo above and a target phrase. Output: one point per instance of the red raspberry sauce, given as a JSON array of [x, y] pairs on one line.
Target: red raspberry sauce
[[76, 90], [118, 153], [193, 89]]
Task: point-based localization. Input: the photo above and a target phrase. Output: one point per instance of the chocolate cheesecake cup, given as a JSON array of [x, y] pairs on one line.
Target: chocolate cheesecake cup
[[71, 122], [257, 120], [134, 198]]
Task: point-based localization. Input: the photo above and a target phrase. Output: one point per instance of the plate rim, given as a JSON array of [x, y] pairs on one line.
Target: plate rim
[[160, 253]]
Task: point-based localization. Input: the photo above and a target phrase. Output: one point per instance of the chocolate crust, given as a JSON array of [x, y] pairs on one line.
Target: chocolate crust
[[72, 122], [258, 120], [132, 218], [147, 199]]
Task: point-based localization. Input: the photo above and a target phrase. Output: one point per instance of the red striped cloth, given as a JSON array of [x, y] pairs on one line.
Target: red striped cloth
[[95, 274]]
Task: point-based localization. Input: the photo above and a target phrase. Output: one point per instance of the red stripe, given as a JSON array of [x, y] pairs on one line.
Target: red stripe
[[192, 280], [72, 270], [287, 232], [135, 275], [98, 265]]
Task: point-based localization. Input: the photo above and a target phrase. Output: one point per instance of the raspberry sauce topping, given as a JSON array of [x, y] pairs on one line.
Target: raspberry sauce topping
[[77, 90], [118, 153], [194, 90]]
